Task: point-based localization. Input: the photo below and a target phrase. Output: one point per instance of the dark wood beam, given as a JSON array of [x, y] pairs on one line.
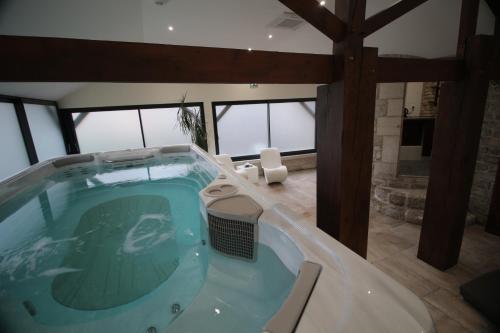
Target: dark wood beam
[[494, 6], [494, 70], [344, 132], [26, 100], [344, 136], [456, 142], [24, 126], [497, 43], [68, 129], [468, 23], [383, 18], [319, 17], [493, 225], [75, 60], [419, 70], [353, 13]]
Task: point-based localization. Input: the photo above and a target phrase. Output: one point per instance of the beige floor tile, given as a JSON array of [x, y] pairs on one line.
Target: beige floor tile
[[388, 242], [454, 307], [448, 325], [392, 247], [406, 276], [443, 323]]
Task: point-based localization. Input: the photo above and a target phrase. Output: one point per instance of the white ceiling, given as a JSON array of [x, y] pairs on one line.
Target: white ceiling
[[52, 91]]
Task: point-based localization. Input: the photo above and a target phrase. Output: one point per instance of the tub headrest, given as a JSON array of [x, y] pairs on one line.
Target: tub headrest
[[73, 159], [175, 149]]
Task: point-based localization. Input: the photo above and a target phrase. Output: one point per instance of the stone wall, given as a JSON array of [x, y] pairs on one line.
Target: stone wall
[[428, 107], [487, 160], [388, 120]]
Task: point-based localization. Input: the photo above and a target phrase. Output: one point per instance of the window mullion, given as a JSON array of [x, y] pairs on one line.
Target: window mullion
[[142, 128], [268, 125]]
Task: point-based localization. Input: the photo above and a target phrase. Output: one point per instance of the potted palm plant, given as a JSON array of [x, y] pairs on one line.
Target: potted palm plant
[[190, 123]]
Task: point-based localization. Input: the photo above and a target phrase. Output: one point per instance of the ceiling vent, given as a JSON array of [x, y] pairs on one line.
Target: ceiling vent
[[160, 2], [287, 20]]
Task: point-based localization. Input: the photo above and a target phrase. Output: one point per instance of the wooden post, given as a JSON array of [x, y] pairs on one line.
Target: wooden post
[[468, 23], [493, 225], [456, 141], [345, 121]]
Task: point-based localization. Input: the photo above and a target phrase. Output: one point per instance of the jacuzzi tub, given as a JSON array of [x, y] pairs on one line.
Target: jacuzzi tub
[[119, 242]]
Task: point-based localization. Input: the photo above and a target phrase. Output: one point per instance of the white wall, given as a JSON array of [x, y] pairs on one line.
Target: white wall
[[45, 130], [13, 154], [116, 94]]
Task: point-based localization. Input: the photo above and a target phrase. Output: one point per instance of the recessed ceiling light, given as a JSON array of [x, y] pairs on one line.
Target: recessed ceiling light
[[322, 3], [270, 36], [249, 49], [170, 28]]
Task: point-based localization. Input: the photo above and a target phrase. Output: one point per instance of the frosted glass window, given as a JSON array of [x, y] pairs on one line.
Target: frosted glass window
[[45, 131], [242, 129], [108, 130], [161, 128], [12, 149], [292, 126]]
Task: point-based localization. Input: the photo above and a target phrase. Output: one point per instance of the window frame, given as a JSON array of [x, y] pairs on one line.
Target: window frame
[[261, 101], [68, 112], [22, 118]]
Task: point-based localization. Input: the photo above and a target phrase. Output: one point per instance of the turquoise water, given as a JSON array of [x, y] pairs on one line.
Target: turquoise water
[[102, 249]]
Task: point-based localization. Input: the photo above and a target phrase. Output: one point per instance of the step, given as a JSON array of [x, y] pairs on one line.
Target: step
[[406, 204]]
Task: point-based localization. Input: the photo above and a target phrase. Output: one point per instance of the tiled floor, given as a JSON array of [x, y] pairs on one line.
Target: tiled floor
[[392, 247]]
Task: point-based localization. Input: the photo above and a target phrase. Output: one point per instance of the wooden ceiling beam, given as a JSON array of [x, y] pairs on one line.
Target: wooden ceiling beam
[[494, 71], [383, 18], [319, 17], [419, 70], [39, 59], [42, 59], [468, 23], [493, 224], [494, 6]]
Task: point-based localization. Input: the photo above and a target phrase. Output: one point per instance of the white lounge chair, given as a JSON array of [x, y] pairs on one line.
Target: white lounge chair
[[225, 160], [274, 171]]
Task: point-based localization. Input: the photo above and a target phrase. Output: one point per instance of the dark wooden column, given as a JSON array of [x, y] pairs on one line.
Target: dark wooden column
[[497, 39], [493, 224], [345, 116], [456, 141], [468, 23]]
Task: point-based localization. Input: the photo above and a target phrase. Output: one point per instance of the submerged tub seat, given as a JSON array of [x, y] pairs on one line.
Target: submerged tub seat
[[350, 295], [91, 289]]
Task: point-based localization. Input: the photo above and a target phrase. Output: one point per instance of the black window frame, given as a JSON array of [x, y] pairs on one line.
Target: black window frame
[[68, 115], [261, 101]]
